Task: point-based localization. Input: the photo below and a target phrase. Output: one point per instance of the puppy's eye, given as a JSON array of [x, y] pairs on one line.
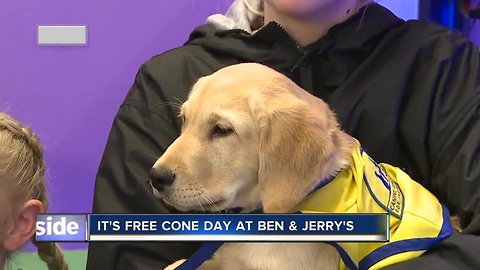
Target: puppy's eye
[[220, 131]]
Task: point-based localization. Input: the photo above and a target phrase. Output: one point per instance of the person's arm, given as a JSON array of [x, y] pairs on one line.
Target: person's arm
[[453, 143], [143, 128], [454, 135]]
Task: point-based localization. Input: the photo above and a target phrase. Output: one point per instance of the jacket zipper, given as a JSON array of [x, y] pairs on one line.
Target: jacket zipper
[[299, 48], [306, 76]]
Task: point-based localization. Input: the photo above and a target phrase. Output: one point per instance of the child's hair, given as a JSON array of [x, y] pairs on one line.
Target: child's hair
[[24, 163]]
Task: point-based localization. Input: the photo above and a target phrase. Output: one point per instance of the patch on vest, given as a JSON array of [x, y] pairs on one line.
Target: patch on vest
[[383, 187]]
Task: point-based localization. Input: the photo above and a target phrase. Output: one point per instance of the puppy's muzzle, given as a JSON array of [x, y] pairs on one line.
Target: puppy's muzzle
[[161, 177]]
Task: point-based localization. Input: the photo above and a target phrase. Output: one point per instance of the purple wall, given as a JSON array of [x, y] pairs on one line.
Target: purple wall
[[69, 95], [405, 9], [475, 33]]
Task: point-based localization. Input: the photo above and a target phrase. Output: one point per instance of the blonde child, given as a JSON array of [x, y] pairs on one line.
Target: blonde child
[[22, 192]]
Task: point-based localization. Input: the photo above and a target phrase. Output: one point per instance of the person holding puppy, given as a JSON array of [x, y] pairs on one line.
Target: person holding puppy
[[22, 192], [407, 90]]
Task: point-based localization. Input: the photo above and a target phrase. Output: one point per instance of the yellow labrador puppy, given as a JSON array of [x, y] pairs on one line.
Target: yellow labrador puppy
[[252, 138]]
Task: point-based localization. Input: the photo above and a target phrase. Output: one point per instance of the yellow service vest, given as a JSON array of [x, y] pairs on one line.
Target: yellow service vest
[[417, 219]]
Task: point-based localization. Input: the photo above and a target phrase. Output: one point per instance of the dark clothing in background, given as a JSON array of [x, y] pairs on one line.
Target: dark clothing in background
[[409, 91]]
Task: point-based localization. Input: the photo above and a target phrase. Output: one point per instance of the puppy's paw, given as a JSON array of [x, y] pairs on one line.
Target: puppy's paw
[[175, 264]]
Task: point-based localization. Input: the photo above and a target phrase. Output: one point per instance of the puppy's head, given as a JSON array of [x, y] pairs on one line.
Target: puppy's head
[[250, 138]]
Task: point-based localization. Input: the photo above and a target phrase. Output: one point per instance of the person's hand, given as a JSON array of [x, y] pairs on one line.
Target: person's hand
[[175, 264]]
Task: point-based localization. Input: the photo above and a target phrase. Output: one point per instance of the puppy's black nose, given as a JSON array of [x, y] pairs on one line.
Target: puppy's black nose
[[161, 177]]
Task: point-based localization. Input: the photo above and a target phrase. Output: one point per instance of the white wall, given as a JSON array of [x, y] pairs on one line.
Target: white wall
[[405, 9]]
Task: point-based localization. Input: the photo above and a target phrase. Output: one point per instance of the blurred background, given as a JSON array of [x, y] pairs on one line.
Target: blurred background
[[70, 94]]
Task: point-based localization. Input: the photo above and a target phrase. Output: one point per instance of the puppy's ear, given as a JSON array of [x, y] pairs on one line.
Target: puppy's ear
[[296, 145]]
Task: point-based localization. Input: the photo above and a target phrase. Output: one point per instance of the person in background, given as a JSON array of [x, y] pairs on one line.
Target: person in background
[[408, 90], [22, 192]]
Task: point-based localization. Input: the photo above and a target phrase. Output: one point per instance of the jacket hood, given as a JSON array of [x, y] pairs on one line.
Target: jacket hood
[[242, 14], [271, 44]]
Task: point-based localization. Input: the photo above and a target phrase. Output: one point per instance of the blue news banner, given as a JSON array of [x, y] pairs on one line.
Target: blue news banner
[[213, 227]]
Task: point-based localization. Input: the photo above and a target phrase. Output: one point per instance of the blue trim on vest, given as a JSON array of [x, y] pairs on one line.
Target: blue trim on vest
[[402, 246], [344, 255], [200, 256], [379, 202], [323, 183], [207, 250]]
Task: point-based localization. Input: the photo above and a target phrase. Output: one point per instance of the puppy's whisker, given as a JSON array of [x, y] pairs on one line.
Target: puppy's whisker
[[196, 198], [170, 103], [206, 194], [207, 199], [222, 205], [178, 102]]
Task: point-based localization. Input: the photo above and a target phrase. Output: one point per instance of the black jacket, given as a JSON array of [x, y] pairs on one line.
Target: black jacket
[[409, 91]]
